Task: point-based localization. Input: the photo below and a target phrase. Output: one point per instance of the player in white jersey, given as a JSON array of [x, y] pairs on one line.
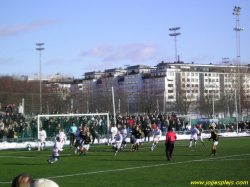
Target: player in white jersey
[[156, 137], [118, 142], [43, 136], [114, 131], [55, 155], [78, 139], [194, 132], [62, 137], [124, 133]]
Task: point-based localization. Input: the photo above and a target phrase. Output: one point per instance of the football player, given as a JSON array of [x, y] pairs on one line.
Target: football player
[[215, 137], [194, 131], [118, 142], [85, 144], [156, 137], [200, 129], [124, 133], [55, 155]]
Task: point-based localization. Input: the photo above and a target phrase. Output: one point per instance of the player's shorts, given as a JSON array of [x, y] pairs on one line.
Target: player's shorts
[[200, 138], [55, 156], [118, 145], [142, 140], [124, 139], [138, 140], [156, 139], [42, 140], [215, 143], [85, 146], [193, 137]]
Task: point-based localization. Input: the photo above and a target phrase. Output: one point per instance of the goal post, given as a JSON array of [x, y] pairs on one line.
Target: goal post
[[55, 120]]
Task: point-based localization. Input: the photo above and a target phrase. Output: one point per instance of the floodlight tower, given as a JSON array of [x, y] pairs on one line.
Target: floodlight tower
[[238, 29], [175, 34], [40, 76]]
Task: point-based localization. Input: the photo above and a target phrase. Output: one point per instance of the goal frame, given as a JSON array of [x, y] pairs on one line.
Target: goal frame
[[69, 115]]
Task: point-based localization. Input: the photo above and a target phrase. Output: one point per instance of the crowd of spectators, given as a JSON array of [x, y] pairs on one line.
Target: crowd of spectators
[[14, 125]]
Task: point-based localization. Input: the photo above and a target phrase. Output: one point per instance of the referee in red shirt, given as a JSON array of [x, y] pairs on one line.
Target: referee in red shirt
[[170, 139]]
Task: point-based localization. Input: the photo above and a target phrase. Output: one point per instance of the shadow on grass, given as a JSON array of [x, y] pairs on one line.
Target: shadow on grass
[[134, 160], [20, 164]]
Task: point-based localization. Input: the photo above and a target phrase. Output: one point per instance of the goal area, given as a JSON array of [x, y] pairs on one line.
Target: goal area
[[100, 122]]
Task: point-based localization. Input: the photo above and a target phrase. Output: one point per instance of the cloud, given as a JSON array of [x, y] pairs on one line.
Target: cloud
[[99, 51], [132, 52], [7, 61], [6, 30], [56, 61]]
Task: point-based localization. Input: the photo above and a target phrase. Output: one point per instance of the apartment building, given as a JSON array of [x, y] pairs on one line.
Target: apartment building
[[171, 81]]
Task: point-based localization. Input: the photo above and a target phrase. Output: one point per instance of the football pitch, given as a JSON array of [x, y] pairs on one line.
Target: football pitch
[[189, 166]]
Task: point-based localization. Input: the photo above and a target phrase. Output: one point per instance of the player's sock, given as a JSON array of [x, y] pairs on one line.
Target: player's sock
[[54, 161], [195, 143], [190, 144], [137, 147]]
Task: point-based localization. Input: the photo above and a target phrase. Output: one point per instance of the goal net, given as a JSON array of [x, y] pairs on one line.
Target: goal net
[[97, 123]]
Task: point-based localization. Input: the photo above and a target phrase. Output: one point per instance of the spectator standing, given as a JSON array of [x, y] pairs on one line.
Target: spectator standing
[[20, 109], [147, 132]]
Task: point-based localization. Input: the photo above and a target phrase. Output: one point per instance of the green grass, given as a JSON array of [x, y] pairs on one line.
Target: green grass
[[143, 168]]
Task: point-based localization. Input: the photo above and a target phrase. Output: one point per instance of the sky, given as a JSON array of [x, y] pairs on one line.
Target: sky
[[82, 36]]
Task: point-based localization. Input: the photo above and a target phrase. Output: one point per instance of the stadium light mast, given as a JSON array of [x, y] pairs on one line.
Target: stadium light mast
[[40, 74], [175, 34], [238, 29]]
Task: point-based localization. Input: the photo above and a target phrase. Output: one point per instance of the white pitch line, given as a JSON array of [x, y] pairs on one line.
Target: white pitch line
[[96, 172]]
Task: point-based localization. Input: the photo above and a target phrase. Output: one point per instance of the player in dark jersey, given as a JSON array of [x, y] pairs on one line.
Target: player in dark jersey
[[199, 136], [137, 137], [85, 144], [215, 137]]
